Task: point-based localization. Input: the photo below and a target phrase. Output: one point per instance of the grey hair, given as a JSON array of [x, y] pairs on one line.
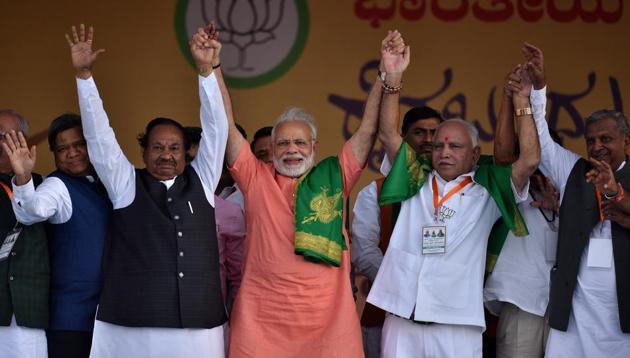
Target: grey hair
[[295, 114], [622, 121], [470, 128], [22, 123]]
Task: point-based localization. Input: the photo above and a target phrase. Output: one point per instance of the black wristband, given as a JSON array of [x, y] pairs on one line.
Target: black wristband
[[215, 67]]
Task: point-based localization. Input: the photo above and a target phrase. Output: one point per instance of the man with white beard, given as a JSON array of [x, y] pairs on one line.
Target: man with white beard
[[295, 298]]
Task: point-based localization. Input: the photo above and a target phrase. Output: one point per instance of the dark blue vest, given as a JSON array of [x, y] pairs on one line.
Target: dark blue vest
[[76, 251]]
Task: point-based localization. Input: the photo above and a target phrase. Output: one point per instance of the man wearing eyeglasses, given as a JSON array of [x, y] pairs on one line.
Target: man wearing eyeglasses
[[295, 297], [75, 206]]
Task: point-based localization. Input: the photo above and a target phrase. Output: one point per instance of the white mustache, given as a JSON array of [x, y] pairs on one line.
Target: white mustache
[[292, 157]]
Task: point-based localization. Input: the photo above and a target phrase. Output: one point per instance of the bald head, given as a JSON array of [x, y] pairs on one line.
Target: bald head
[[9, 120]]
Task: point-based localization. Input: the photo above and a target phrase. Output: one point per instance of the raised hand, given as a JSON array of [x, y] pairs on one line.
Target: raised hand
[[83, 56], [550, 199], [395, 55], [535, 64], [205, 48], [601, 175], [512, 82], [525, 83], [22, 159]]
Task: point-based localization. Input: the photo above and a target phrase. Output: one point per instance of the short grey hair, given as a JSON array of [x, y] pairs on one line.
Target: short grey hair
[[295, 114], [622, 121], [470, 128], [22, 123]]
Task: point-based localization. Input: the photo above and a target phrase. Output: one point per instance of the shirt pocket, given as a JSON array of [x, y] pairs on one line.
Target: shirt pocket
[[450, 285]]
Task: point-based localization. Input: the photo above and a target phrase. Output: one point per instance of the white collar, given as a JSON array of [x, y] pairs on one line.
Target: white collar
[[168, 182]]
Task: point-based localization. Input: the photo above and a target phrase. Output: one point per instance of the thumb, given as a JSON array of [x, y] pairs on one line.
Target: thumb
[[536, 204], [98, 52], [34, 152], [407, 53]]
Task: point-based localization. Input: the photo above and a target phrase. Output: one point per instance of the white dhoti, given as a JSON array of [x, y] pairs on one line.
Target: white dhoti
[[22, 342], [403, 338], [113, 341], [594, 330]]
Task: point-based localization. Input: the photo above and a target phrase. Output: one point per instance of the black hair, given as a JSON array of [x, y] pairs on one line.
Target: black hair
[[261, 133], [143, 138], [62, 123], [622, 121], [419, 113]]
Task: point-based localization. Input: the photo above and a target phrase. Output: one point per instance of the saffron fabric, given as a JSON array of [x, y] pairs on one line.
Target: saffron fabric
[[287, 306]]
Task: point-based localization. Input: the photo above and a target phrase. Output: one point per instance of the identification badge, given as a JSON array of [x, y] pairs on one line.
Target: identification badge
[[433, 240], [600, 253], [8, 243]]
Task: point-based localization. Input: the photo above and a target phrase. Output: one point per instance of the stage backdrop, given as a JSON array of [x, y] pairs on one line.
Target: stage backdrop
[[319, 55]]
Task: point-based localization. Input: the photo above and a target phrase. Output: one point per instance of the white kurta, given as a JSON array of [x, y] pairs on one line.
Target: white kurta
[[50, 201], [22, 342], [444, 288], [366, 231], [594, 329], [521, 273], [118, 177]]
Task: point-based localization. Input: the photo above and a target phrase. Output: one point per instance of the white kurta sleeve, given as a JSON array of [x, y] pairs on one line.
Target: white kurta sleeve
[[50, 201], [214, 125], [111, 165], [366, 255], [556, 162]]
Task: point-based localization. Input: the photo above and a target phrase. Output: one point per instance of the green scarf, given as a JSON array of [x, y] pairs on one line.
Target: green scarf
[[410, 171], [319, 214]]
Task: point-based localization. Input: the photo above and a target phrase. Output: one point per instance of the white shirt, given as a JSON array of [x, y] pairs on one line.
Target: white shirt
[[118, 177], [118, 174], [444, 288], [366, 232], [49, 202], [521, 273], [594, 328]]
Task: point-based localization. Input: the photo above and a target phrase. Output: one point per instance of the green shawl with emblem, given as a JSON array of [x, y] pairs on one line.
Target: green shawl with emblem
[[410, 171], [319, 214]]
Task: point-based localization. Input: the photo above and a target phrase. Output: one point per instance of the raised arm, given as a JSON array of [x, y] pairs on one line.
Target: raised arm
[[51, 199], [395, 58], [556, 162], [208, 163], [505, 136], [235, 139], [111, 165], [529, 156]]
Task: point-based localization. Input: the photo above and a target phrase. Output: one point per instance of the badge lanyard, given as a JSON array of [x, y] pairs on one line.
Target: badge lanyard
[[7, 189], [599, 204], [438, 203]]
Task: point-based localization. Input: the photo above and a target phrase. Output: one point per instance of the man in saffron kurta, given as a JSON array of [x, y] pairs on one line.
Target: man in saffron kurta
[[288, 306], [298, 305]]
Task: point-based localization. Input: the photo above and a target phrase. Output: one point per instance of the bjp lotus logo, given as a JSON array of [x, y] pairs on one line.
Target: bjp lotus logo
[[262, 39]]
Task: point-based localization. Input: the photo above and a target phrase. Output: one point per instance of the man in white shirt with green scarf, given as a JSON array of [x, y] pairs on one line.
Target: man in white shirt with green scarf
[[431, 279]]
